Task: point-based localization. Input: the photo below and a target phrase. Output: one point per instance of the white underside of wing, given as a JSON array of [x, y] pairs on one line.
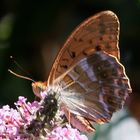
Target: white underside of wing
[[78, 104]]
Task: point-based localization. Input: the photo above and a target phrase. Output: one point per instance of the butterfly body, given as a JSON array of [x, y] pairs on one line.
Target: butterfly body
[[91, 81]]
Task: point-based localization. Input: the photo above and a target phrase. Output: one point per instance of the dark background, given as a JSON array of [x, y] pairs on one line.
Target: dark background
[[33, 32]]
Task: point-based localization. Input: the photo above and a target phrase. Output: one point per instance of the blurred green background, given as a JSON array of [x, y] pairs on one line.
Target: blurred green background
[[33, 32]]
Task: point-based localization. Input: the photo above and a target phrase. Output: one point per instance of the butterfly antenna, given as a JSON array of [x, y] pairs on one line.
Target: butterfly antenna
[[19, 66], [18, 75]]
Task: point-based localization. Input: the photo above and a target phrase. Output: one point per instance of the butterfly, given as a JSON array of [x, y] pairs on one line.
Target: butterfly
[[93, 82]]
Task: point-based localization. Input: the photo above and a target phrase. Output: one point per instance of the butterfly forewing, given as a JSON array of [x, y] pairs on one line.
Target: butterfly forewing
[[99, 32]]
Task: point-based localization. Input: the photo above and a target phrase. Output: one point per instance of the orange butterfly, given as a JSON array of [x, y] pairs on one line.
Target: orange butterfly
[[92, 82]]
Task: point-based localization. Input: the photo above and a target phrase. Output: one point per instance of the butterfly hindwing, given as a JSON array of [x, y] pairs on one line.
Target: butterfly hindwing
[[96, 91]]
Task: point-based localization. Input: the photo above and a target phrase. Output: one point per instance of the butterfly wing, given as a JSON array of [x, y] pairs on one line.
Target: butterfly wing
[[87, 67], [99, 32], [99, 87]]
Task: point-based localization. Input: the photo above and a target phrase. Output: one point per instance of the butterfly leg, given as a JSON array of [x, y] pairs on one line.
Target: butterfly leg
[[78, 121], [69, 114]]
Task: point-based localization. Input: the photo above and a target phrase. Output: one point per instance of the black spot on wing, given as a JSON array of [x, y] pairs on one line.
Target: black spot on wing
[[98, 48], [72, 54], [64, 66]]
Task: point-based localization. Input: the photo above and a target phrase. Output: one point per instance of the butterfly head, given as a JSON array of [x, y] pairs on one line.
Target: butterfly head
[[39, 87]]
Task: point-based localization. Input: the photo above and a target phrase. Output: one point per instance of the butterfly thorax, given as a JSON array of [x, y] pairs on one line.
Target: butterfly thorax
[[65, 98]]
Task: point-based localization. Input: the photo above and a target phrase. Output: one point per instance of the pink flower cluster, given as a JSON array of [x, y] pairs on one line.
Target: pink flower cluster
[[10, 122], [26, 109], [66, 133], [13, 123]]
